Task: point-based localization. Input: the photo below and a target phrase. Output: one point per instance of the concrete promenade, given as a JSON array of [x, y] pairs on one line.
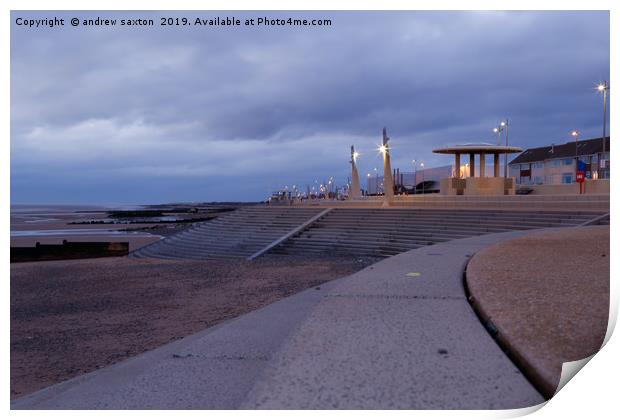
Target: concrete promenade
[[397, 335]]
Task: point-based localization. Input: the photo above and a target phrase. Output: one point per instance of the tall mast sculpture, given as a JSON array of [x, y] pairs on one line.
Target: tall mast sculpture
[[388, 182], [354, 191]]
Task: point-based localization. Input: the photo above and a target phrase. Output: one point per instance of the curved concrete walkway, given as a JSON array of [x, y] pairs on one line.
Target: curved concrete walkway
[[397, 335]]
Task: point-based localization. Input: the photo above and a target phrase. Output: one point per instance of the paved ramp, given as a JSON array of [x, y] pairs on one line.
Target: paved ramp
[[398, 334]]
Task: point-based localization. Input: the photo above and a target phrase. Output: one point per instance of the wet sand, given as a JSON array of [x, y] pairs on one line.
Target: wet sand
[[55, 223], [73, 317]]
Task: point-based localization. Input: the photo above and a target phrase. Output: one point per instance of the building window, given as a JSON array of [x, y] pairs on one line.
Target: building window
[[538, 165], [554, 163], [538, 180], [567, 178], [568, 162]]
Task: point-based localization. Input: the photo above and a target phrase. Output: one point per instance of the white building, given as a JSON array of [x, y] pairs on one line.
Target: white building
[[556, 164]]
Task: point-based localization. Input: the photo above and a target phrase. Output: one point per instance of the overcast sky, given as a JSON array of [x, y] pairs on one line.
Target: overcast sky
[[162, 114]]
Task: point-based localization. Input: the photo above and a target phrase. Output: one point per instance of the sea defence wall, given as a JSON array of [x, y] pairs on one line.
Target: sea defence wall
[[69, 250], [347, 230]]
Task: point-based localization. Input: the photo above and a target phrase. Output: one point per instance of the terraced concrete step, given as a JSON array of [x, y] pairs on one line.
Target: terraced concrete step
[[446, 224], [380, 232], [456, 219], [238, 234], [378, 218], [376, 232]]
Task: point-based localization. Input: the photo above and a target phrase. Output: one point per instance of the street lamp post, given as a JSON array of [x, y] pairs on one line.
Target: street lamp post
[[603, 88], [575, 134], [376, 182], [498, 131], [423, 186], [505, 125], [415, 176]]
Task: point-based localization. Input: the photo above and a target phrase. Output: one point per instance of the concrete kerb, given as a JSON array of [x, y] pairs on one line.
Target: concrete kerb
[[546, 388]]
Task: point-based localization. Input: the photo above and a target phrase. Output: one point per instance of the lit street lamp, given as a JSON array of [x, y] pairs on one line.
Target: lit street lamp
[[498, 131], [603, 88], [503, 126]]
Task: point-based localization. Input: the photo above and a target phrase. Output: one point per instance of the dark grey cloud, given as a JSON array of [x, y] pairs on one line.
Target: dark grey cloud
[[161, 114]]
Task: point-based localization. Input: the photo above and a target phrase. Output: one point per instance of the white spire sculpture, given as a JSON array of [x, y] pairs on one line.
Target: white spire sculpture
[[354, 191], [388, 182]]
